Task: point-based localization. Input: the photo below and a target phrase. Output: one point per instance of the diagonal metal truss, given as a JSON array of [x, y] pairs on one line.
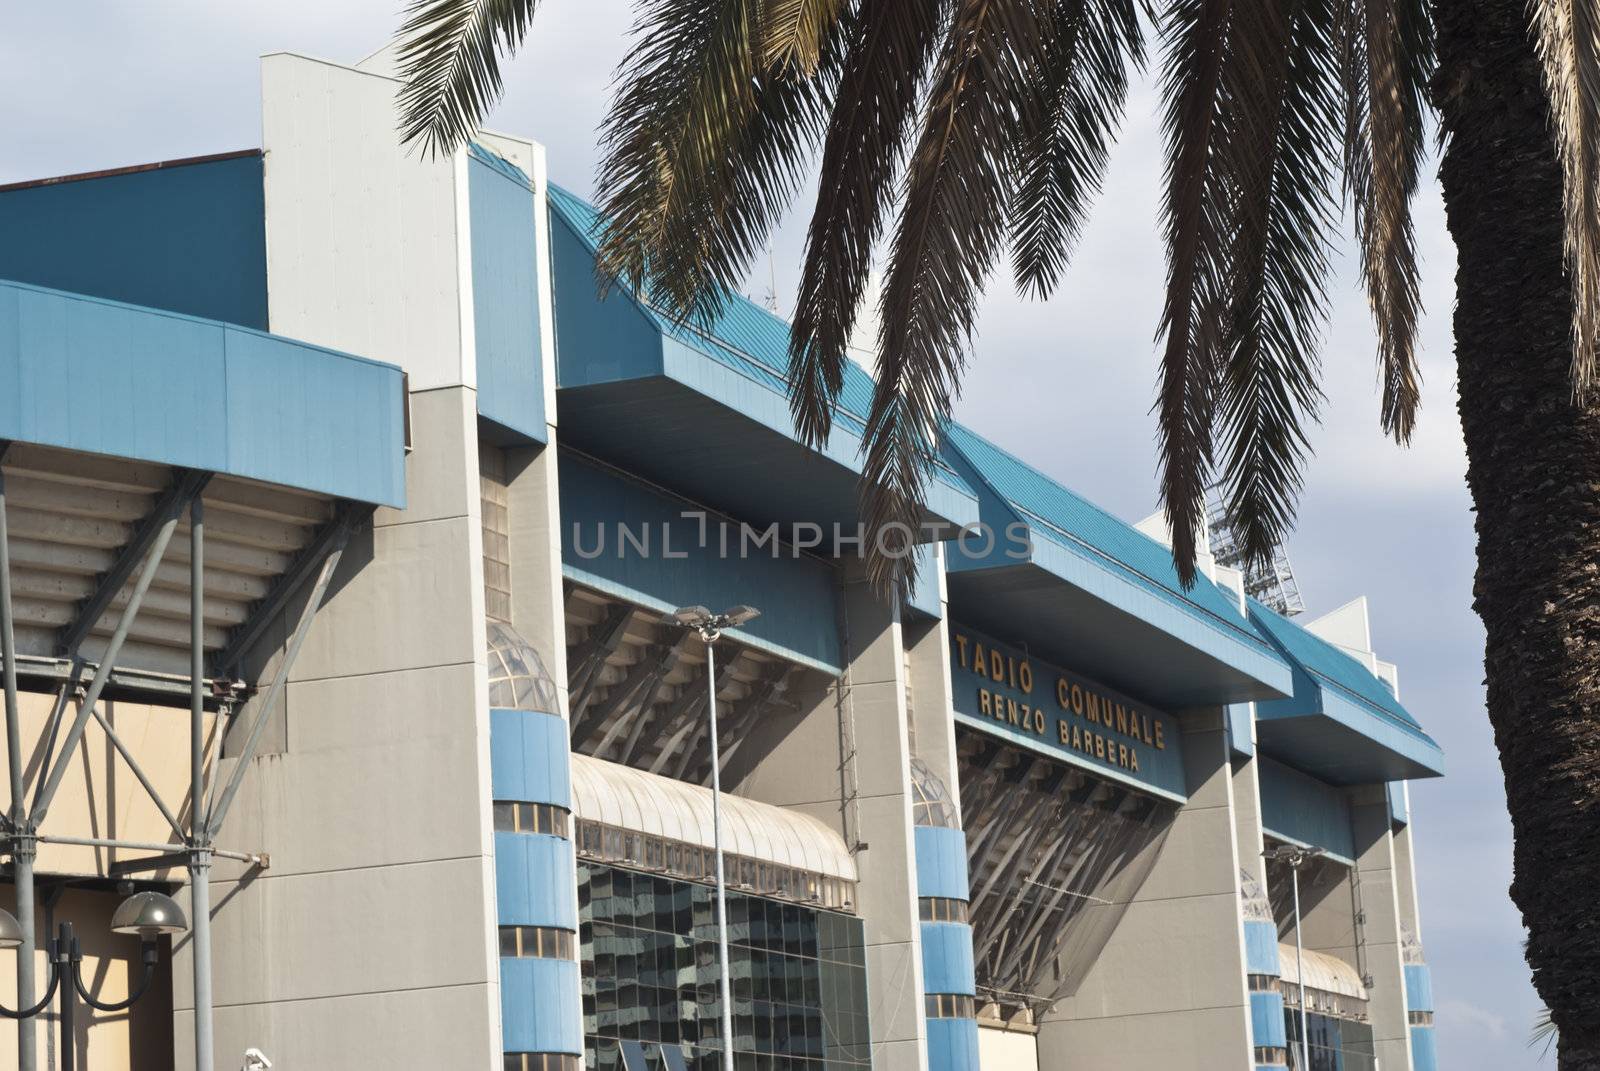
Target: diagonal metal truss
[[1054, 853], [638, 691], [140, 560]]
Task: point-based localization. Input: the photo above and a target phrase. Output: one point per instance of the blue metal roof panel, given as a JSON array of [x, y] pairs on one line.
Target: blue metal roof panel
[[754, 342], [486, 155], [100, 376], [1072, 523], [1332, 668]]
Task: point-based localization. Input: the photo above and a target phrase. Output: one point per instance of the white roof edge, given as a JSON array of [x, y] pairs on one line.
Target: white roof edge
[[1330, 974], [661, 806]]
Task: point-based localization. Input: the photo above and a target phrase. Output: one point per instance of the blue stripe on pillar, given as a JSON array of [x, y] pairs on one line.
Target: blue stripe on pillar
[[539, 1005], [952, 1045], [947, 958], [528, 757], [533, 880], [942, 863], [1424, 1050], [1266, 1020], [1261, 948], [1419, 987]]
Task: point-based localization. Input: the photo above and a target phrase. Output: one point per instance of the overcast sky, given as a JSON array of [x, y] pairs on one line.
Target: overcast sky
[[1067, 384]]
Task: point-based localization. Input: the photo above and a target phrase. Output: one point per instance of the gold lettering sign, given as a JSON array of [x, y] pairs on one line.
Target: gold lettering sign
[[1086, 718]]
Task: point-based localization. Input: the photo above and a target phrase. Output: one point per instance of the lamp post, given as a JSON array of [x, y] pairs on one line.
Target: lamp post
[[149, 915], [710, 627], [1295, 857]]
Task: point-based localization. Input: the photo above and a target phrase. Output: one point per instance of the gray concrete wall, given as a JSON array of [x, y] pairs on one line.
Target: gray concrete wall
[[796, 761], [1247, 818], [1405, 870], [320, 961], [1168, 991], [933, 730], [1372, 945]]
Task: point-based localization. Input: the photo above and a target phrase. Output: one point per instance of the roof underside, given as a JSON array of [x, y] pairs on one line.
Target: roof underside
[[1342, 723], [637, 688], [716, 390], [69, 518]]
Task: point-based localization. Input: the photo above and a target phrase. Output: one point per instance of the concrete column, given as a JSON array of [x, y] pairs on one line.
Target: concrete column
[[1360, 923], [843, 756], [1247, 817], [927, 646], [537, 605], [1168, 992], [389, 693], [1405, 865]]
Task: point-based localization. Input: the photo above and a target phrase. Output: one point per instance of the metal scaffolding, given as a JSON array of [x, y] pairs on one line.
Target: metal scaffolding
[[195, 846]]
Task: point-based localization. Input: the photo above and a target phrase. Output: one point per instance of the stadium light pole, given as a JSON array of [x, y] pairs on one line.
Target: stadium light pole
[[1295, 857], [709, 627]]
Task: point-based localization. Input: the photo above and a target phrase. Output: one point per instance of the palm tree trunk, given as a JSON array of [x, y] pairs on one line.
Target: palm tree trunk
[[1533, 466]]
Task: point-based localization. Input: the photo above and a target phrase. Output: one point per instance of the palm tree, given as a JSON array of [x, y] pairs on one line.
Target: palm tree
[[952, 132]]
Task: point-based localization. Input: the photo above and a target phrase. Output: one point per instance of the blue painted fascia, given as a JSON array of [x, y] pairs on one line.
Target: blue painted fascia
[[621, 337], [505, 296], [99, 376], [1062, 559], [188, 236], [1203, 631], [1299, 809], [797, 595], [1385, 744]]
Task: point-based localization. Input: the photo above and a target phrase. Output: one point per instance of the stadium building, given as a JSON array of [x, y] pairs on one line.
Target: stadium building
[[344, 519]]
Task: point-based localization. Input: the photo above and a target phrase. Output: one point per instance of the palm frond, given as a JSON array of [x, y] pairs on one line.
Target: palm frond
[[951, 225], [1269, 391], [1386, 59], [891, 46], [793, 33], [1569, 49], [449, 57], [1196, 215], [701, 151], [1065, 133]]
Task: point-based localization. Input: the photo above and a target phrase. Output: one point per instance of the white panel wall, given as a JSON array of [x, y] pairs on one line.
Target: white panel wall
[[365, 248]]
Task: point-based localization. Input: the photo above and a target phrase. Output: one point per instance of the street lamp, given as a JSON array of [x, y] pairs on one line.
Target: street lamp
[[710, 627], [1295, 857], [148, 915]]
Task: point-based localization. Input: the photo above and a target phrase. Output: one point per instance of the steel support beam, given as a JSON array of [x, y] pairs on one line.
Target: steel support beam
[[592, 657], [23, 845], [217, 811], [642, 682], [263, 613], [199, 818], [187, 486], [685, 715], [157, 547]]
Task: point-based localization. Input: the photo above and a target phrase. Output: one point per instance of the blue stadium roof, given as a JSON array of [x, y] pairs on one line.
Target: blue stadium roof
[[621, 361], [1342, 723], [99, 376], [1097, 592]]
